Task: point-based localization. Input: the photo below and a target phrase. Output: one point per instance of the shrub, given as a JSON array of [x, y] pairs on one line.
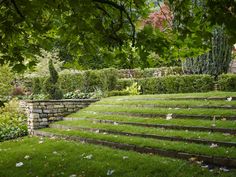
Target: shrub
[[71, 82], [134, 89], [123, 83], [177, 84], [94, 80], [12, 121], [18, 91], [227, 82], [36, 85], [50, 84], [6, 78], [118, 93], [111, 77]]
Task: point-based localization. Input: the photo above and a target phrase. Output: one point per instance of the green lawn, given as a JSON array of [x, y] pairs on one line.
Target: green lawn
[[147, 130], [63, 158], [181, 122], [181, 95], [58, 157]]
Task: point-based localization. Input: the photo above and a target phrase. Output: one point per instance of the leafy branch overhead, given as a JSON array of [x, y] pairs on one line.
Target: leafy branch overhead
[[27, 26], [83, 29]]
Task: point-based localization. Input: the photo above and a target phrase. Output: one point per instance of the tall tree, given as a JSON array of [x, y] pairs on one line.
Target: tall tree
[[77, 26]]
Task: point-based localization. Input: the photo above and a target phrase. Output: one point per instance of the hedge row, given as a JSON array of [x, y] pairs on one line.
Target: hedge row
[[149, 72], [227, 82], [107, 80], [88, 81], [172, 84]]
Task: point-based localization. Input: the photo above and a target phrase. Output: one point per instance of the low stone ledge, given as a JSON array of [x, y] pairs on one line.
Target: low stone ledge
[[42, 112]]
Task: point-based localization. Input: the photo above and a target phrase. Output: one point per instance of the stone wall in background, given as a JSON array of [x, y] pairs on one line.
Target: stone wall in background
[[41, 113], [232, 68]]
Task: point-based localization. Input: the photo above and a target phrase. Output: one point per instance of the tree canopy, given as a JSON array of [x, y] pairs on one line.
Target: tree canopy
[[84, 28]]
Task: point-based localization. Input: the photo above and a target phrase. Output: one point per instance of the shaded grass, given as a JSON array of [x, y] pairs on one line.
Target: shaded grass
[[70, 160], [154, 131], [181, 122], [143, 142]]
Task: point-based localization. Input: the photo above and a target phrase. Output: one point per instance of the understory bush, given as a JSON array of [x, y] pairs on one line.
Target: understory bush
[[227, 82], [12, 121], [50, 86], [177, 84]]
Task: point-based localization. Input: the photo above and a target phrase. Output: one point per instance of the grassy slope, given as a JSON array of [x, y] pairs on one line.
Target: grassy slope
[[162, 144], [197, 111], [183, 122], [63, 158], [179, 95], [154, 131]]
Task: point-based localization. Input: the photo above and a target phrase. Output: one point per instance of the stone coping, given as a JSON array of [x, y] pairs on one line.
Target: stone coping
[[62, 100]]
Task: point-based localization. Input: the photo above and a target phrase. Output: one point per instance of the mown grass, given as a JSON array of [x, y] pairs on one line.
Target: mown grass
[[180, 122], [166, 103], [180, 95], [197, 111], [63, 158], [143, 142], [153, 131]]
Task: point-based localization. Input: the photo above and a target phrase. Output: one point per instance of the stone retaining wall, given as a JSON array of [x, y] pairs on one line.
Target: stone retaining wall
[[41, 113]]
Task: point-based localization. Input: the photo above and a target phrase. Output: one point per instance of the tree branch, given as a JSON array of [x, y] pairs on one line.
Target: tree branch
[[121, 8], [17, 9]]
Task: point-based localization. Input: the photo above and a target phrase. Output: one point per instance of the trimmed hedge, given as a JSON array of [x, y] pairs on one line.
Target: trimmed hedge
[[170, 84], [227, 82], [149, 72], [177, 84], [107, 80]]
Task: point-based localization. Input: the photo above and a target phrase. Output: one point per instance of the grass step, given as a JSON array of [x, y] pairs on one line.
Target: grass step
[[153, 136], [152, 112], [183, 122], [214, 160], [87, 122], [215, 95], [138, 105], [173, 115], [166, 126], [213, 150]]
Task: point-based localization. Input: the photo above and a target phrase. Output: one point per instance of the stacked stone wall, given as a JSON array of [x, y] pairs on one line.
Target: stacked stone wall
[[42, 113]]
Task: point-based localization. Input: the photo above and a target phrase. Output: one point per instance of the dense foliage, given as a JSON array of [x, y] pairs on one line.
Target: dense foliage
[[227, 82], [12, 121], [6, 79], [106, 31], [50, 86]]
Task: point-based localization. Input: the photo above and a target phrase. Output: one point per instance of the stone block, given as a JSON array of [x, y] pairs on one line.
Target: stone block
[[34, 116], [47, 111], [44, 119], [37, 110], [43, 123]]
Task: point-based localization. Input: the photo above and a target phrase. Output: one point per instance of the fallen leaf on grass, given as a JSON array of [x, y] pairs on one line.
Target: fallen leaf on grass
[[168, 116], [213, 145], [73, 175], [19, 164], [125, 157], [110, 172], [90, 156], [224, 169], [27, 157]]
